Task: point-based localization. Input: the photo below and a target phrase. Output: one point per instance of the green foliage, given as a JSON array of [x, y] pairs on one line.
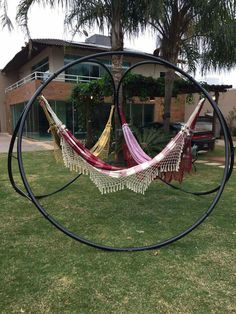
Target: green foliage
[[142, 86], [202, 33], [152, 140], [231, 121], [133, 85], [5, 21], [95, 90], [127, 15], [89, 98]]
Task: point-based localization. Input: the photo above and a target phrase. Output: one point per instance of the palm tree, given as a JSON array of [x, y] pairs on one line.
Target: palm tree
[[198, 32], [119, 16], [5, 20]]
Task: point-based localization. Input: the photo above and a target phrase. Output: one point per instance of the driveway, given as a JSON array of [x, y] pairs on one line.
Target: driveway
[[28, 145]]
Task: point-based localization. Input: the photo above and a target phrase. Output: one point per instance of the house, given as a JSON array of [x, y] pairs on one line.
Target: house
[[39, 58], [22, 75], [226, 102]]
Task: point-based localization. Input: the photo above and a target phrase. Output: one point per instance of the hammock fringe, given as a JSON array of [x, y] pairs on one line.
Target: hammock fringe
[[170, 164], [136, 182]]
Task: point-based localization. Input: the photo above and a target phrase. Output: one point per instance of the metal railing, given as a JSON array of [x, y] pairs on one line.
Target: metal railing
[[42, 76]]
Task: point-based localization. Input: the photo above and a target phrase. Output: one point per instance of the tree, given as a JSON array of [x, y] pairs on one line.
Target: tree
[[5, 20], [196, 31], [119, 16]]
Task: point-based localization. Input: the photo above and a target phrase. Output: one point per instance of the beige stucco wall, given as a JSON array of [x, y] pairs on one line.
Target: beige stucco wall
[[226, 102], [177, 107], [56, 61], [153, 70], [26, 68], [78, 52], [2, 107], [55, 56], [146, 70]]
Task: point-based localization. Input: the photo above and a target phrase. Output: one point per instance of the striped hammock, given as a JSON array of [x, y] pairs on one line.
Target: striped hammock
[[133, 146], [100, 148], [107, 178]]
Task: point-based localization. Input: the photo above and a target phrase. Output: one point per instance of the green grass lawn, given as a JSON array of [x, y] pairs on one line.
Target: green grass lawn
[[219, 151], [43, 271]]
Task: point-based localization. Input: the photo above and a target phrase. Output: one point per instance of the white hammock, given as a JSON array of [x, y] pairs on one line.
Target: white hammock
[[136, 178]]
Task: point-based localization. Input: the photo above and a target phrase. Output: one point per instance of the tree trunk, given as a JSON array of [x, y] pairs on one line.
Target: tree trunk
[[170, 48], [214, 122], [117, 40], [89, 131], [117, 44], [169, 83]]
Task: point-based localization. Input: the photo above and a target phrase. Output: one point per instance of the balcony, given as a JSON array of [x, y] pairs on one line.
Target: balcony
[[42, 76]]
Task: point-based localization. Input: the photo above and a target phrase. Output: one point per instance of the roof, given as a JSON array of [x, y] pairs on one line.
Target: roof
[[35, 46], [192, 88], [219, 88], [98, 39]]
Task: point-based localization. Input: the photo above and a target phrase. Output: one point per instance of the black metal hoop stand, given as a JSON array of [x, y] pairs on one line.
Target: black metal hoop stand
[[13, 140], [229, 157], [230, 147], [10, 170]]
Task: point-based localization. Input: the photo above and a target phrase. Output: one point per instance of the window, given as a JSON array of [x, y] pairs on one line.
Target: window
[[94, 70], [42, 66], [36, 124], [16, 111], [88, 70], [140, 114]]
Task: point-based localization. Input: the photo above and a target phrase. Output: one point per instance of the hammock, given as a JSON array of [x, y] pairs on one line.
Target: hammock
[[136, 151], [168, 164], [100, 148], [52, 129]]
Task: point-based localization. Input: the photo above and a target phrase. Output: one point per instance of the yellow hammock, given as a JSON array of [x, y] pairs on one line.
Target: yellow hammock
[[100, 149]]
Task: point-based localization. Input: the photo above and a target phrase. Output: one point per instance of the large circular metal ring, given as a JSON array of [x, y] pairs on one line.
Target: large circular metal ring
[[230, 146], [226, 173]]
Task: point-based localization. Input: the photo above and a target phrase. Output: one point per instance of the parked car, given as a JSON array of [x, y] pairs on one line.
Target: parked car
[[174, 127], [203, 136]]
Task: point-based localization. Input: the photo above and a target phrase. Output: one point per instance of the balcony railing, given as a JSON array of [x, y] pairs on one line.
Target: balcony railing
[[44, 75]]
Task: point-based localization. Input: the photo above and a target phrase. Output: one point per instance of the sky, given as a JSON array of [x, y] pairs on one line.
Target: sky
[[48, 23]]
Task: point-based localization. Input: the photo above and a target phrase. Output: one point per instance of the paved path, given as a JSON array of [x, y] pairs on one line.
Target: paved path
[[32, 145], [219, 164], [221, 142], [28, 145], [214, 161]]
